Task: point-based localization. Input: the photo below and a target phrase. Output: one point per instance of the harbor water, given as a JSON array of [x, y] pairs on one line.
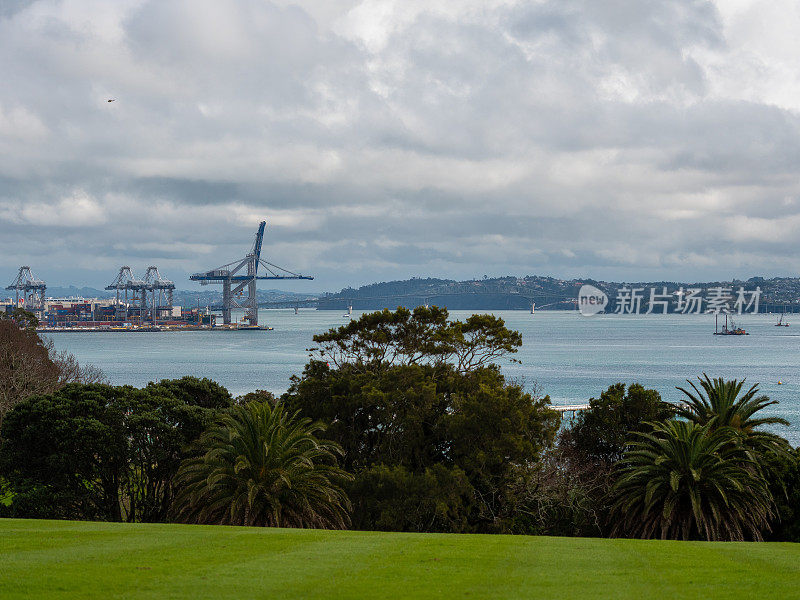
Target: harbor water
[[567, 356]]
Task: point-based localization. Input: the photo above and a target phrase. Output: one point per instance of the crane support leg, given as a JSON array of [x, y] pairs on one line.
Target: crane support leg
[[252, 303], [226, 301]]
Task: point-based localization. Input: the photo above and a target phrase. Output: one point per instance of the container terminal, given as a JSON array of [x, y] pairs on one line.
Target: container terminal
[[146, 304]]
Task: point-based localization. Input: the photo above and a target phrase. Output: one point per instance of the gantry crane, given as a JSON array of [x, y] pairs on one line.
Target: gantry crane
[[32, 289], [126, 282], [161, 291], [234, 283]]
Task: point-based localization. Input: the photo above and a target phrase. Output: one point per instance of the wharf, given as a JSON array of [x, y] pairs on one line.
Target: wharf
[[146, 329], [564, 408]]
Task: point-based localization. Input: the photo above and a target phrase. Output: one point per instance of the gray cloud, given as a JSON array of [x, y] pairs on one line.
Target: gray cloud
[[386, 139]]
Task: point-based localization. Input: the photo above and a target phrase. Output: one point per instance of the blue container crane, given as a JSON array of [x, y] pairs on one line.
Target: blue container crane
[[243, 273]]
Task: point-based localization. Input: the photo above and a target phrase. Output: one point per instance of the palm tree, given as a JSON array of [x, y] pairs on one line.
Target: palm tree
[[260, 465], [688, 481], [721, 404]]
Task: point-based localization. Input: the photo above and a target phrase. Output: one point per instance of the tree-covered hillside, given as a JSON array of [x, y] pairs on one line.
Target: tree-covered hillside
[[518, 293]]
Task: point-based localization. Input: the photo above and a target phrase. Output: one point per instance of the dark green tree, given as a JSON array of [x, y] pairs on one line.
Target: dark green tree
[[601, 434], [436, 498], [98, 451], [204, 392], [783, 475], [64, 455], [158, 429], [688, 481], [496, 433], [409, 394], [394, 416], [257, 396], [261, 465]]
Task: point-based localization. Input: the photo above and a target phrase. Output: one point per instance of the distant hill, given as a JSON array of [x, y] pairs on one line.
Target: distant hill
[[518, 293], [76, 292], [503, 293]]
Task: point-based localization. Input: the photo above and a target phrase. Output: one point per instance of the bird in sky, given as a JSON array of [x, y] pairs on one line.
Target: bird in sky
[[111, 100]]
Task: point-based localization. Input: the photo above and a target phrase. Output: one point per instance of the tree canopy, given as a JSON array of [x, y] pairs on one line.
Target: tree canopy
[[426, 335], [414, 401], [26, 368], [601, 434], [99, 451], [30, 365]]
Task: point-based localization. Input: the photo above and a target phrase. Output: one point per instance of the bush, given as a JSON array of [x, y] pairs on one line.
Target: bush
[[98, 452], [601, 434], [783, 472], [395, 499]]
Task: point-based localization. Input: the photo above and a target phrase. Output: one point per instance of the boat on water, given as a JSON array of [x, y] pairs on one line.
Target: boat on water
[[732, 330], [780, 322]]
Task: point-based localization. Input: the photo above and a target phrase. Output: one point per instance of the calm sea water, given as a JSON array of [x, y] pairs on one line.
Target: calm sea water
[[570, 357]]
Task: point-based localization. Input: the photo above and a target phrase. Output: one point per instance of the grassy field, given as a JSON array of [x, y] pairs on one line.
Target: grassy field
[[55, 559]]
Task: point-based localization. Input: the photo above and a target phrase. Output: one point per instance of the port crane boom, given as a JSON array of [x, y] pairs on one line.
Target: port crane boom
[[242, 274]]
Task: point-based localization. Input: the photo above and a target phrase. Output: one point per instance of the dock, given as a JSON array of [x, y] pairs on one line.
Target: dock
[[571, 408], [146, 329]]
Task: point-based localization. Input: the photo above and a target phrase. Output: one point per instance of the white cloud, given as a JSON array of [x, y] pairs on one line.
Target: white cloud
[[78, 209], [383, 138], [18, 124]]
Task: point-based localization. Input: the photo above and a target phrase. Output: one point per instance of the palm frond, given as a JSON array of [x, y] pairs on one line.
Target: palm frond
[[259, 465], [689, 481]]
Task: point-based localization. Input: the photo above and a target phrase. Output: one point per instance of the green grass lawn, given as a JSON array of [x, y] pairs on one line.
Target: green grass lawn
[[62, 559]]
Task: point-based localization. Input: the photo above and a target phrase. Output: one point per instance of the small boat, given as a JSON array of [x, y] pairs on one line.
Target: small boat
[[533, 308], [732, 330], [349, 312], [780, 322]]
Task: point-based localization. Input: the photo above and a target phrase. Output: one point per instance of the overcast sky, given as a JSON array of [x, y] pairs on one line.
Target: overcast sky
[[386, 139]]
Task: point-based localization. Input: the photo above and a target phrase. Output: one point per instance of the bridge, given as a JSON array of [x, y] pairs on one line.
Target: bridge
[[414, 299]]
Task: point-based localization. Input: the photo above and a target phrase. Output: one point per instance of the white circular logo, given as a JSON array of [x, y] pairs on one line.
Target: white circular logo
[[591, 300]]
